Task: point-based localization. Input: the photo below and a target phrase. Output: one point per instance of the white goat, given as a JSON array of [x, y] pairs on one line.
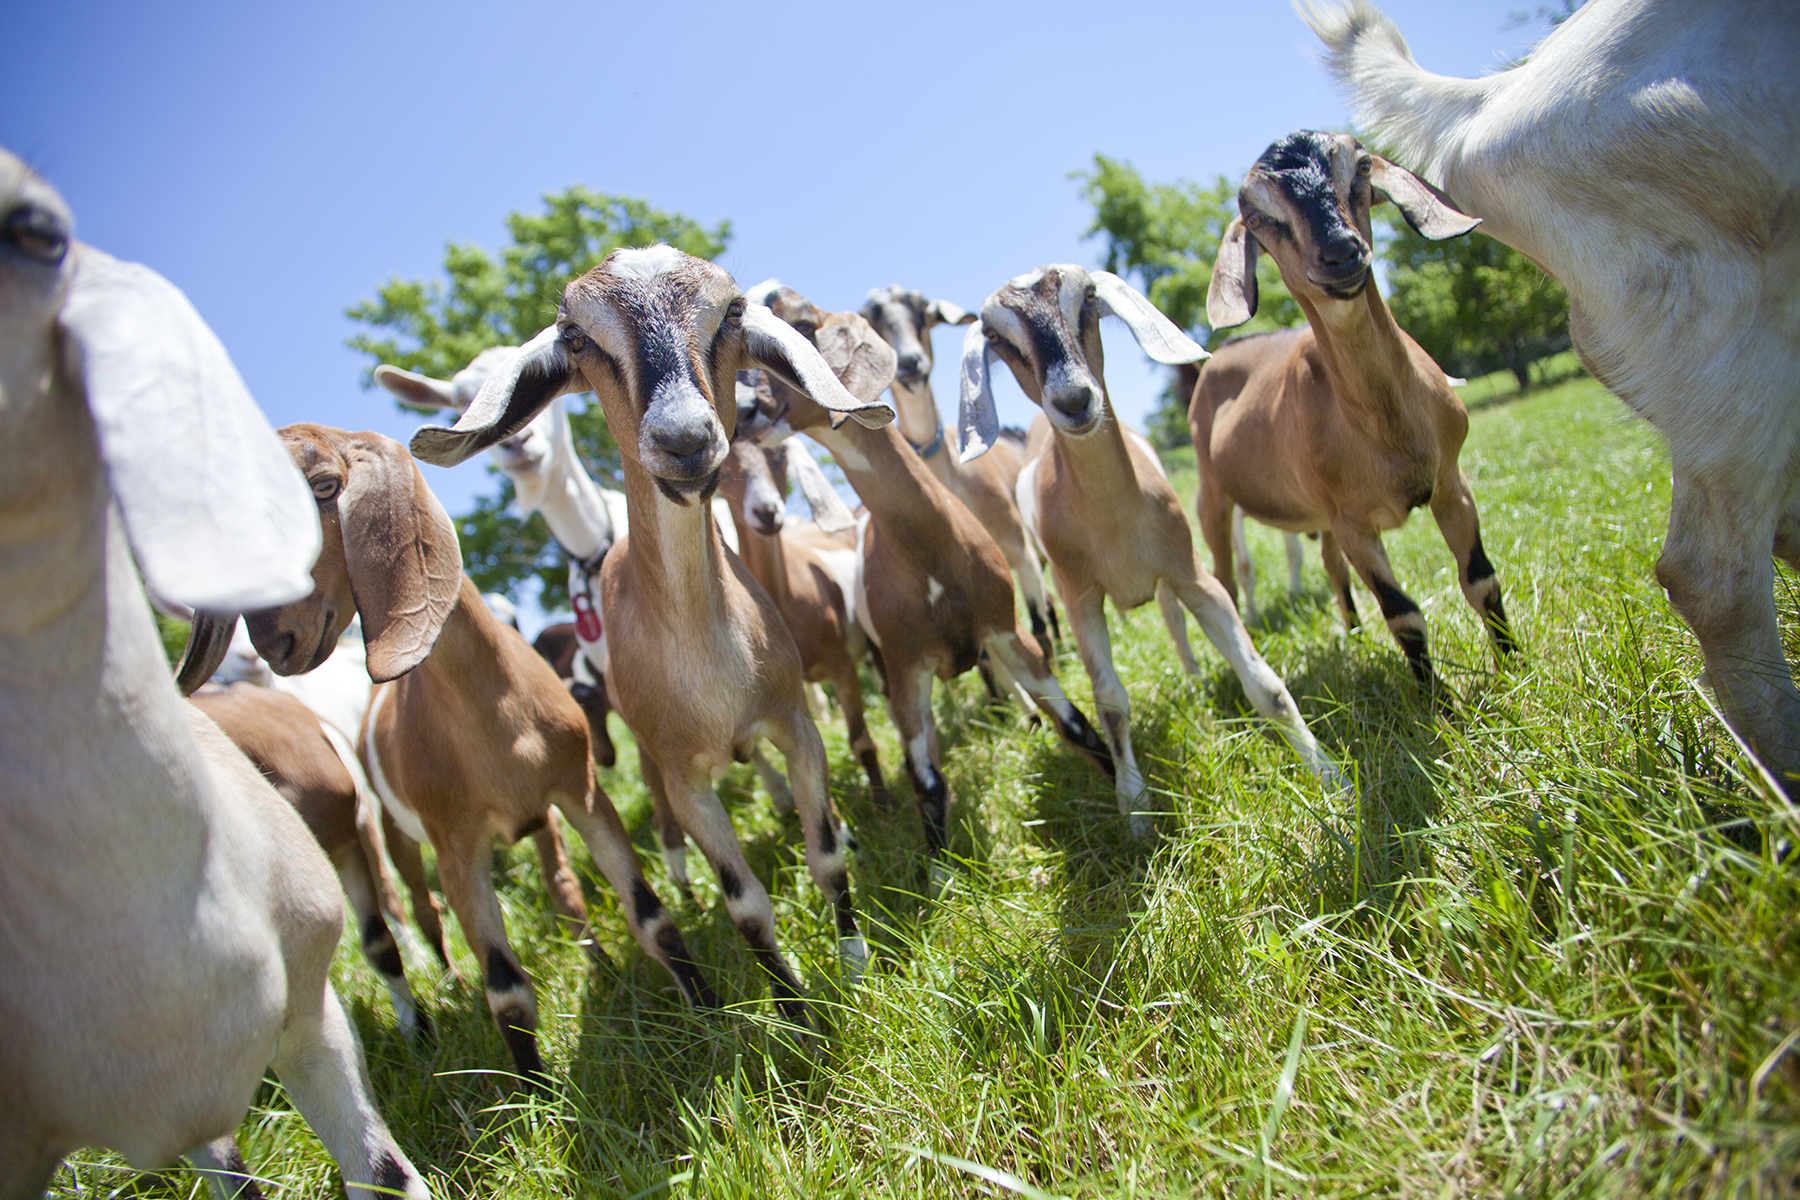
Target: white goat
[[1104, 510], [1644, 157], [148, 874]]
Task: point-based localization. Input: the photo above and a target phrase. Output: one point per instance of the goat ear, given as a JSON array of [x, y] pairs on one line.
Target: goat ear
[[1231, 297], [511, 397], [1424, 209], [778, 348], [1160, 337], [216, 511], [400, 549], [977, 424], [415, 390], [829, 511], [942, 312], [860, 358]]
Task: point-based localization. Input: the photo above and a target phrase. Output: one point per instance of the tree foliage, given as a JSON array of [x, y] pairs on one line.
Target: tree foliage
[[437, 326], [1164, 237], [1473, 303]]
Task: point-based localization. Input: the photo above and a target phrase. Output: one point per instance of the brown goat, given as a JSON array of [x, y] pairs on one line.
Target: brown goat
[[1346, 426], [470, 736]]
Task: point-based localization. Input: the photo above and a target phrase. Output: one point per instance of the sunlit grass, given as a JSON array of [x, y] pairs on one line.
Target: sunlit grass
[[1548, 950]]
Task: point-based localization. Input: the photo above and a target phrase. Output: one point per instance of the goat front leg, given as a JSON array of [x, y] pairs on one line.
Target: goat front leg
[[1291, 542], [1087, 618], [320, 1063], [378, 943], [1038, 609], [426, 913], [1267, 693], [1175, 620], [1033, 675], [848, 688], [1454, 507], [700, 812], [1362, 546], [597, 822], [564, 888], [1721, 579], [1215, 511], [909, 703], [1338, 572], [670, 836], [465, 868], [826, 835]]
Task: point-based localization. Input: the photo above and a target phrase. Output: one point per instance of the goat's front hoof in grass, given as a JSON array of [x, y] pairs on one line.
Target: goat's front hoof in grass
[[853, 953], [940, 878]]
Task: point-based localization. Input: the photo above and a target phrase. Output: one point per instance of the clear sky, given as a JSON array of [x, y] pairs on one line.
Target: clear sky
[[278, 161]]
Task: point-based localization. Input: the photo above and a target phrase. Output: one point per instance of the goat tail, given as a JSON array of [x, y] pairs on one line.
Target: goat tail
[[1416, 118]]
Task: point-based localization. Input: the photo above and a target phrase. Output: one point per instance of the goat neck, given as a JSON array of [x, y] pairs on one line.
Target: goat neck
[[571, 504], [676, 548], [906, 500], [1365, 354]]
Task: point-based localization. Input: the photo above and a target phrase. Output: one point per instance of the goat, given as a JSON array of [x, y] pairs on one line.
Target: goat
[[469, 736], [932, 589], [291, 747], [1346, 426], [703, 664], [1643, 157], [1103, 509], [147, 872], [905, 318], [809, 574]]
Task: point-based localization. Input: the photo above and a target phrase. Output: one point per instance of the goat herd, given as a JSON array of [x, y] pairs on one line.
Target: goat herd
[[167, 917]]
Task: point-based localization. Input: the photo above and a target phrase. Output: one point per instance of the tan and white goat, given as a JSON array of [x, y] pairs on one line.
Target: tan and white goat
[[169, 923], [807, 572], [702, 664], [932, 589], [1644, 157], [1103, 509], [905, 318], [1346, 426], [470, 737]]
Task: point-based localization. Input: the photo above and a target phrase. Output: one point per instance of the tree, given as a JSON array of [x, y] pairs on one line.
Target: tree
[[437, 328], [1473, 303], [1164, 237]]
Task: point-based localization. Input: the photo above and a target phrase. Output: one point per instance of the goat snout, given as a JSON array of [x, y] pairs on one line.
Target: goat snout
[[766, 518], [681, 440], [1074, 408], [909, 366]]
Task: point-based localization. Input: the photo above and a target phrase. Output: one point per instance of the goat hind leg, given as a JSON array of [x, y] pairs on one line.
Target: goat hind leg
[[378, 943], [1087, 617], [426, 914], [670, 836], [774, 782], [562, 885], [848, 688], [1338, 572], [909, 704], [1033, 675], [1291, 542], [1175, 620], [222, 1162], [1362, 546], [1246, 566]]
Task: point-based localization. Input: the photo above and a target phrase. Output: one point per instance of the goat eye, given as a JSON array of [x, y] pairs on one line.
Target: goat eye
[[734, 315], [36, 233], [1364, 166], [1253, 219], [572, 337], [990, 333], [326, 487]]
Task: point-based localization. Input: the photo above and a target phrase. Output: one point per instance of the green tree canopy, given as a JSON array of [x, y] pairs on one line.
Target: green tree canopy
[[1473, 303], [437, 326], [1164, 238]]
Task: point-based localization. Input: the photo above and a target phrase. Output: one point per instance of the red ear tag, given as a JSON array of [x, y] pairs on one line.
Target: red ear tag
[[587, 619]]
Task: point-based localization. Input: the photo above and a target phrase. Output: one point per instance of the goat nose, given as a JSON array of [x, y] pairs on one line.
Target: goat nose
[[907, 364], [1341, 250], [683, 442], [1074, 402], [768, 516]]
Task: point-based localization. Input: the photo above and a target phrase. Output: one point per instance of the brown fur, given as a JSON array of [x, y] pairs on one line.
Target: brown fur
[[1342, 427], [480, 739]]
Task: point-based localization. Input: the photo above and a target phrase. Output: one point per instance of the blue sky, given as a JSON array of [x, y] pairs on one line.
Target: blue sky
[[279, 161]]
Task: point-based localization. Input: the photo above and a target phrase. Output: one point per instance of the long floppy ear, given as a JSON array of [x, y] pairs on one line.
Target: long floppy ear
[[216, 511], [1160, 337], [977, 424], [506, 403], [1231, 297], [401, 551], [778, 348], [829, 511], [942, 312], [415, 390], [1424, 209], [860, 358]]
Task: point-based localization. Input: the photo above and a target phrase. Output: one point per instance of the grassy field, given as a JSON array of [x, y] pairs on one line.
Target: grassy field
[[1549, 950]]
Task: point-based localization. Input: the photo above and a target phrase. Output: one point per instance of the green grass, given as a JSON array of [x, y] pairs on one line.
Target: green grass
[[1541, 954]]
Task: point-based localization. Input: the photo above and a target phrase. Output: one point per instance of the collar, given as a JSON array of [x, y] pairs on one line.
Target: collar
[[930, 448]]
